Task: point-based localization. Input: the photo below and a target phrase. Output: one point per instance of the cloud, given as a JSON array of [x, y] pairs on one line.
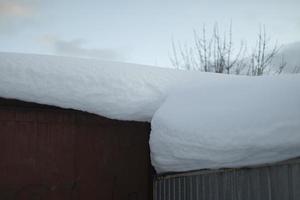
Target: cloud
[[76, 48], [15, 9], [15, 14]]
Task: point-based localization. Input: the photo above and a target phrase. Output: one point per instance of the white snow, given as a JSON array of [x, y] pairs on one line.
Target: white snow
[[233, 123], [114, 90], [199, 120]]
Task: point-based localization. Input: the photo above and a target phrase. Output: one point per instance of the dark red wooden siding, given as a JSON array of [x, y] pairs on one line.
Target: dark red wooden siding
[[51, 153]]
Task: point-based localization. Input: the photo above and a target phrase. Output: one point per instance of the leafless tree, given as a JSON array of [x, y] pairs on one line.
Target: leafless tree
[[213, 54], [262, 55], [218, 54]]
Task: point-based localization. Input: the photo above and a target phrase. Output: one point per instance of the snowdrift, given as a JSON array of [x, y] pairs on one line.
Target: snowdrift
[[232, 123], [199, 120], [114, 90]]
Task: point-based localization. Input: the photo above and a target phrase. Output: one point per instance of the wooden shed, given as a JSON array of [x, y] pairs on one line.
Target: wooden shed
[[52, 153]]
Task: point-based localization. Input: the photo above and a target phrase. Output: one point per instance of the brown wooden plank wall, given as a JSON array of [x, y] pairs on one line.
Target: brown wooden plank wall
[[52, 154]]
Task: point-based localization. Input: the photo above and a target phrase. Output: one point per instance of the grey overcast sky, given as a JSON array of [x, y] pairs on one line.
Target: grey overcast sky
[[137, 31]]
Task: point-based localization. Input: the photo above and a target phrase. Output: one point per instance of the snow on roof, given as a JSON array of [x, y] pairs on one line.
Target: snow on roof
[[232, 123], [114, 90], [199, 120]]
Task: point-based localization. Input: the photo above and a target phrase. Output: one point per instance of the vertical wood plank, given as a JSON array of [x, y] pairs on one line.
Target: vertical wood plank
[[55, 154]]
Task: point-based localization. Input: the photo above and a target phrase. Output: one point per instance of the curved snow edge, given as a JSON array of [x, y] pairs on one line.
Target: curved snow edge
[[233, 123]]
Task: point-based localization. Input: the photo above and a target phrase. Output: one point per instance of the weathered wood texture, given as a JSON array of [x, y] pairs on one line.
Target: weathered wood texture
[[280, 181], [51, 154]]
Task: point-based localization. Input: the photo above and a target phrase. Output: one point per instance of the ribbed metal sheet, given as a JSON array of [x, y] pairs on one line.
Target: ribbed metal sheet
[[279, 181]]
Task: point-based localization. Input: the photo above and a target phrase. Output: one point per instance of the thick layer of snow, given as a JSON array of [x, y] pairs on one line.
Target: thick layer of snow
[[233, 123], [199, 120], [115, 90]]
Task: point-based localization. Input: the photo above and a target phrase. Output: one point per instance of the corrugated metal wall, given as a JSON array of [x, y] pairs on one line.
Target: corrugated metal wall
[[275, 182]]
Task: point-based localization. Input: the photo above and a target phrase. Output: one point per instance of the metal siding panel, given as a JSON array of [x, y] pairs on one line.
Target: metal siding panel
[[156, 190], [193, 187], [159, 193], [177, 188], [197, 187], [254, 184], [187, 187], [173, 186], [162, 189], [296, 181], [278, 181], [214, 186], [265, 183], [203, 192]]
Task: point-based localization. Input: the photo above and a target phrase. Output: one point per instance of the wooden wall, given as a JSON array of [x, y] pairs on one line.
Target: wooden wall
[[51, 153]]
